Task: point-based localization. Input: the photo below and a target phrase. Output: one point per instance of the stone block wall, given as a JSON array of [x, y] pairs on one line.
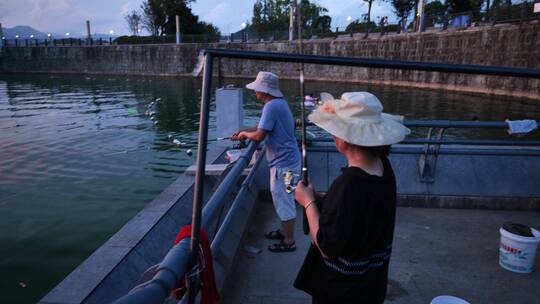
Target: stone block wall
[[508, 45]]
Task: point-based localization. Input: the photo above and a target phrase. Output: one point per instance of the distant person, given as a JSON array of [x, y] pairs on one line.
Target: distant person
[[277, 126], [382, 25], [352, 226]]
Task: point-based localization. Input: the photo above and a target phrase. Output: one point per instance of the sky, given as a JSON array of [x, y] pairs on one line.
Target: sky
[[59, 16]]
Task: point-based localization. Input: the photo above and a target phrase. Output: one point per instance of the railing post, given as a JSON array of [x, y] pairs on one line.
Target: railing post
[[199, 176], [178, 38], [1, 36]]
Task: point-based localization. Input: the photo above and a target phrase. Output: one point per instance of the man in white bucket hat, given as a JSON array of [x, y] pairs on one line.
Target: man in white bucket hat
[[277, 126], [352, 226]]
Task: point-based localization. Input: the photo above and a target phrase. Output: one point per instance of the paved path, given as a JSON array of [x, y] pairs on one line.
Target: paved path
[[436, 251]]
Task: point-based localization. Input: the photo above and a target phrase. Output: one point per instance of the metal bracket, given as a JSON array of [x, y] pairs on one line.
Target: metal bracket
[[427, 162]]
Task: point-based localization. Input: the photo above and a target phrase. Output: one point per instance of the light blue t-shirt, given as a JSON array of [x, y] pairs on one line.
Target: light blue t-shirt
[[281, 146]]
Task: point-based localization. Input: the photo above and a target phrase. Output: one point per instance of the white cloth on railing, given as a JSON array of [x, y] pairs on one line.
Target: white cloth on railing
[[521, 127]]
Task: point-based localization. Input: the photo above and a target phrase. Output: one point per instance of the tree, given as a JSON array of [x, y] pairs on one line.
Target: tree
[[460, 6], [258, 20], [311, 17], [368, 17], [402, 8], [159, 18], [273, 16], [133, 20], [435, 12], [153, 16]]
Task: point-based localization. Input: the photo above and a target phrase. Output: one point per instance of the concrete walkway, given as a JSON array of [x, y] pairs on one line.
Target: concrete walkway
[[436, 252]]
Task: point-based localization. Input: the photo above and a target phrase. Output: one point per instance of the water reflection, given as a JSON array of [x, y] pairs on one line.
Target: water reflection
[[79, 157]]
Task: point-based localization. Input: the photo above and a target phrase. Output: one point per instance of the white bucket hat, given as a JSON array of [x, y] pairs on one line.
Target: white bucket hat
[[266, 82], [357, 118]]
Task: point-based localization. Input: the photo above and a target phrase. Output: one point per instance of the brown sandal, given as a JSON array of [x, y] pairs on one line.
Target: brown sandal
[[274, 235]]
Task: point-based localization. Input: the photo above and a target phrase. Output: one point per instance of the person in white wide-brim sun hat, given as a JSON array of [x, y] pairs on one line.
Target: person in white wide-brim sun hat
[[352, 226], [277, 128]]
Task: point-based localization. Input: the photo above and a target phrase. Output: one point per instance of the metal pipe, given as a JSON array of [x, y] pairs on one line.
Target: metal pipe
[[456, 151], [456, 124], [220, 235], [477, 142], [226, 186], [378, 63], [173, 268], [201, 165]]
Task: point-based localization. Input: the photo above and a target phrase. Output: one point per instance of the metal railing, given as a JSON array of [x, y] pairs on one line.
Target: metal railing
[[55, 42], [176, 263], [142, 293], [431, 149], [432, 145]]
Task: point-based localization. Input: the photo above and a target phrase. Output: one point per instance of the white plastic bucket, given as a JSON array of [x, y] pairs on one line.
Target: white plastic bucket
[[448, 300], [517, 253]]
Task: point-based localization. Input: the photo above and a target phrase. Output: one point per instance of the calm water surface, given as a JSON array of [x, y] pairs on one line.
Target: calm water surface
[[79, 158]]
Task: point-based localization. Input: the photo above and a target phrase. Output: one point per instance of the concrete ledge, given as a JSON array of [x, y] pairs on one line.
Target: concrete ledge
[[114, 268]]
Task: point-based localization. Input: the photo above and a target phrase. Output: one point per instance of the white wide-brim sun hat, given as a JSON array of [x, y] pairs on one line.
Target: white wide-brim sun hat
[[357, 118], [266, 82]]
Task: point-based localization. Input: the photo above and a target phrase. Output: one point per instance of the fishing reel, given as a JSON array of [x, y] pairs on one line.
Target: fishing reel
[[240, 145], [290, 181]]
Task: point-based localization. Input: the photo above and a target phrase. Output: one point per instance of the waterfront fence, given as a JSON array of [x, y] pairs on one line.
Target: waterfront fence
[[498, 14]]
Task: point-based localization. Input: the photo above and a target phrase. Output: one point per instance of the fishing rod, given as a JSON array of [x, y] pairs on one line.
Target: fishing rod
[[304, 176], [175, 142]]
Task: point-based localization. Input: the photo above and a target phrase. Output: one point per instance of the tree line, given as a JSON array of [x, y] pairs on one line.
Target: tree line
[[271, 16], [158, 17]]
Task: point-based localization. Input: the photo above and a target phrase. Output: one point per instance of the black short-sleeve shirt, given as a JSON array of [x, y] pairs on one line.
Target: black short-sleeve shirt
[[356, 229]]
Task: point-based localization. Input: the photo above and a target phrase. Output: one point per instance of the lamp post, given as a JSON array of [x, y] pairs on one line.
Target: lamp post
[[88, 34], [291, 21], [2, 35], [244, 26], [349, 19], [420, 16], [178, 38]]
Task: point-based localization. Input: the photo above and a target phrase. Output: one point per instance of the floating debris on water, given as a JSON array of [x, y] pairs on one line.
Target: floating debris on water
[[189, 152], [158, 99], [169, 136], [152, 113], [22, 284], [156, 122], [116, 153], [132, 111], [177, 142]]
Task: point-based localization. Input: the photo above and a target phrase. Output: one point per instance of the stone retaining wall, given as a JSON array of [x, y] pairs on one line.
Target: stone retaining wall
[[509, 45]]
